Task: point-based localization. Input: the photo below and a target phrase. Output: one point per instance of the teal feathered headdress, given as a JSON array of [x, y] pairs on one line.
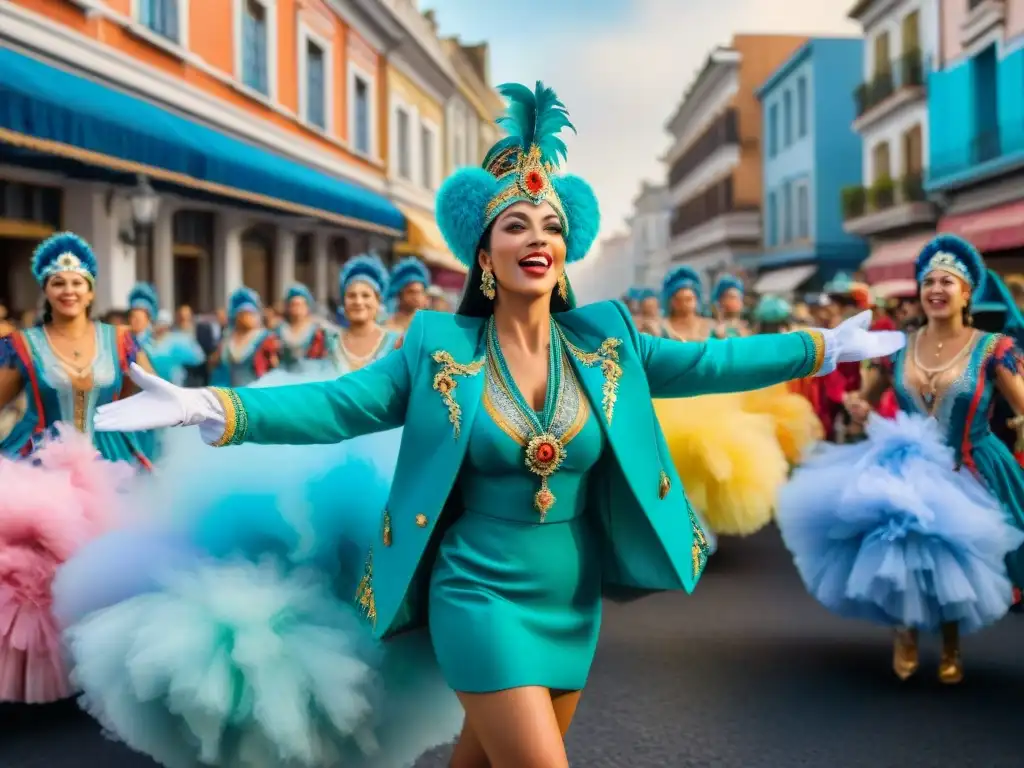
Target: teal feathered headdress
[[298, 290], [772, 309], [676, 280], [367, 268], [954, 255], [243, 300], [63, 252], [726, 283], [406, 272], [143, 296], [520, 168]]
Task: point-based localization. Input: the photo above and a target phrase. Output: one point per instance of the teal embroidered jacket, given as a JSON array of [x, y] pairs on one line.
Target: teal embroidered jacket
[[433, 387]]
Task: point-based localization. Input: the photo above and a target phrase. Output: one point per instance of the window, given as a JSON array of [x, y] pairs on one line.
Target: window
[[361, 114], [801, 107], [787, 117], [880, 162], [913, 160], [255, 40], [984, 68], [316, 85], [787, 213], [911, 32], [161, 16], [403, 137], [427, 156], [882, 56], [773, 130], [772, 223], [803, 212]]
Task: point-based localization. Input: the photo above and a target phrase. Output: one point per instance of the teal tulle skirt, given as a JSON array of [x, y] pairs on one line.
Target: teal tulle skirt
[[221, 631]]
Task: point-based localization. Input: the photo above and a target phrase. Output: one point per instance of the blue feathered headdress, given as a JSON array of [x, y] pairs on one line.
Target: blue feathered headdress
[[63, 252], [954, 255], [726, 283], [520, 168], [368, 268], [243, 299], [406, 272], [772, 309], [298, 290], [143, 296], [676, 280]]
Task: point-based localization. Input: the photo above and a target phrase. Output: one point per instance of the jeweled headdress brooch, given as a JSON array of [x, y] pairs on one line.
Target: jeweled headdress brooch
[[952, 254], [520, 168], [63, 252]]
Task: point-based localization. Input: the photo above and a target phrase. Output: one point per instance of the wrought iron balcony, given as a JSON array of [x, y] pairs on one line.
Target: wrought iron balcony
[[906, 71], [723, 131]]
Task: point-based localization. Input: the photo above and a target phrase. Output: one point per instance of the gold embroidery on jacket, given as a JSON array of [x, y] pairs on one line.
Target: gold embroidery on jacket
[[364, 592], [386, 535], [818, 343], [700, 549], [607, 356], [445, 384]]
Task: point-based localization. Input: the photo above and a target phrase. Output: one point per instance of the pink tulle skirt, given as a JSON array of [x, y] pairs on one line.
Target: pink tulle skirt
[[50, 506]]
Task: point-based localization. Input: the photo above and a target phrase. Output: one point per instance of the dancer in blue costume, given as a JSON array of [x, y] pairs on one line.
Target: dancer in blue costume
[[682, 301], [532, 475], [407, 292], [363, 284], [248, 351], [69, 364], [304, 339], [727, 297], [912, 528]]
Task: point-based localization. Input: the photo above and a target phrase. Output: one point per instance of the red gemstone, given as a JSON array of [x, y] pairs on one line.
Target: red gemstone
[[545, 452], [534, 182]]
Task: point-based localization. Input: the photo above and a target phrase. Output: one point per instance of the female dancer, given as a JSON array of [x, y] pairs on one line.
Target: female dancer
[[499, 537], [66, 367], [249, 351], [729, 459], [911, 527], [408, 291], [301, 336], [363, 283], [727, 297]]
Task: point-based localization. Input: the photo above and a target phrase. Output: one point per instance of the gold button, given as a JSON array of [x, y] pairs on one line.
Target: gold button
[[421, 521], [663, 486]]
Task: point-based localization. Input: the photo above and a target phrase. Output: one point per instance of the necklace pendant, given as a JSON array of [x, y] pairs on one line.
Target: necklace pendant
[[544, 455], [543, 499]]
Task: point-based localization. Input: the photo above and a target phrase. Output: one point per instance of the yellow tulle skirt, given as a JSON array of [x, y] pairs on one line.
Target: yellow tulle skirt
[[733, 452]]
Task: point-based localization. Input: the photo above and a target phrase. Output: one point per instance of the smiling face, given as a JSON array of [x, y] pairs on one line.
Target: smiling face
[[944, 295], [297, 309], [684, 303], [247, 320], [413, 297], [69, 294], [732, 302], [527, 250], [138, 320], [361, 303]]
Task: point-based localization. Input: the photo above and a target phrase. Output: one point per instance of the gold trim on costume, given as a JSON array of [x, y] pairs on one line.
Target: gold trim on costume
[[532, 182], [700, 549], [236, 421], [365, 600], [818, 342], [445, 383], [607, 356], [664, 485], [386, 533]]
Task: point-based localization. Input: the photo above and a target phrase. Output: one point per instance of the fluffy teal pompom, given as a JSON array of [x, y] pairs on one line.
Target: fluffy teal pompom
[[582, 212], [461, 203]]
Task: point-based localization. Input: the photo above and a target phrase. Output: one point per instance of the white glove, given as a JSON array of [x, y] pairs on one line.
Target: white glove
[[160, 404], [851, 342]]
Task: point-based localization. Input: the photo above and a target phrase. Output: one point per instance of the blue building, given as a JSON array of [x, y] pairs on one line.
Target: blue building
[[976, 120], [810, 152]]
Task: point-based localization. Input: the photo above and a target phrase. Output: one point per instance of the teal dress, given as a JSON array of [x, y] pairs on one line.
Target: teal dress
[[962, 405], [241, 365], [515, 601], [51, 397]]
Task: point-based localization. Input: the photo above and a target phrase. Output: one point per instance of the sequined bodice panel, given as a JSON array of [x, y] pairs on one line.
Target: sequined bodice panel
[[963, 392], [346, 362], [236, 360], [495, 481], [295, 344]]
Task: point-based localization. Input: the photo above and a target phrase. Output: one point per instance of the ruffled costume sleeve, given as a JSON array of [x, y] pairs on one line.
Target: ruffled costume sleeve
[[9, 357], [1006, 355]]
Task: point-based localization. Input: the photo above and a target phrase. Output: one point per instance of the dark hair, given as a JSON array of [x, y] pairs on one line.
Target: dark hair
[[968, 318], [473, 303]]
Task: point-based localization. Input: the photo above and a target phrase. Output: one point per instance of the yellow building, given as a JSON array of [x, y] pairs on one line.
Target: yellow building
[[471, 128], [420, 82]]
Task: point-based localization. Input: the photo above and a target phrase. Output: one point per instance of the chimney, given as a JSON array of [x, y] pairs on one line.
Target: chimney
[[431, 18], [480, 58]]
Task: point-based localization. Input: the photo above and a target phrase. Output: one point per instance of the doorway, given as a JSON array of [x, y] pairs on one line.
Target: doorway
[[258, 262]]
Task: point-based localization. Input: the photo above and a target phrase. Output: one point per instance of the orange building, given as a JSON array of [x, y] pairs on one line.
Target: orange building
[[714, 164], [198, 144]]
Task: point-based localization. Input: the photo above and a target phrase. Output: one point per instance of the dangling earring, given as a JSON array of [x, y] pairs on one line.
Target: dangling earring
[[563, 287], [487, 284]]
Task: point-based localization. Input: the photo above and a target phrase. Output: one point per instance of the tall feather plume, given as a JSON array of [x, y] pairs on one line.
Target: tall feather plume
[[533, 118]]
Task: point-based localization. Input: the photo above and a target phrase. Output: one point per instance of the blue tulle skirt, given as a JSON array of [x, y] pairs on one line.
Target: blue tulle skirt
[[220, 630], [888, 531]]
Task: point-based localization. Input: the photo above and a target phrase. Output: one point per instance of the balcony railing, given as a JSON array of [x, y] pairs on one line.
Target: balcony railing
[[715, 201], [885, 193], [985, 147], [723, 131], [907, 71]]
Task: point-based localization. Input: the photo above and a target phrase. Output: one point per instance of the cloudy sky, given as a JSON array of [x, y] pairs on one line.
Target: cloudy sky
[[621, 67]]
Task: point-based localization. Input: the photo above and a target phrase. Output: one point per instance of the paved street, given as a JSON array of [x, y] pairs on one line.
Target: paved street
[[747, 673]]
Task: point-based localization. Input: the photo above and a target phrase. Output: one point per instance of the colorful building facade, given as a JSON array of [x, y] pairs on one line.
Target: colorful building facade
[[198, 144], [810, 152]]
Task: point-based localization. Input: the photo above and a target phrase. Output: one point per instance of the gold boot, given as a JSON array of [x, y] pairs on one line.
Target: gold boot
[[904, 653], [951, 668]]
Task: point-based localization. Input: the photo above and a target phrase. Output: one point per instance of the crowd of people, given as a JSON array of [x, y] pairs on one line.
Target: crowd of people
[[409, 536]]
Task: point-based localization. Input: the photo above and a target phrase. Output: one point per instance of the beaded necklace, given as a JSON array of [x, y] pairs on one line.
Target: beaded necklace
[[545, 451]]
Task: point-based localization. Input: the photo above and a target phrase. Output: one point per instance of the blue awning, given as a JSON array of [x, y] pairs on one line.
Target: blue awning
[[44, 108]]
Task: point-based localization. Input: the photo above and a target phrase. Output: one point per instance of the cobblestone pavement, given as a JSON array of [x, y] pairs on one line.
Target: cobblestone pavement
[[747, 673]]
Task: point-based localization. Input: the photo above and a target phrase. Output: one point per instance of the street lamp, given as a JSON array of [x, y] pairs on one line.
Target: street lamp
[[145, 205]]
